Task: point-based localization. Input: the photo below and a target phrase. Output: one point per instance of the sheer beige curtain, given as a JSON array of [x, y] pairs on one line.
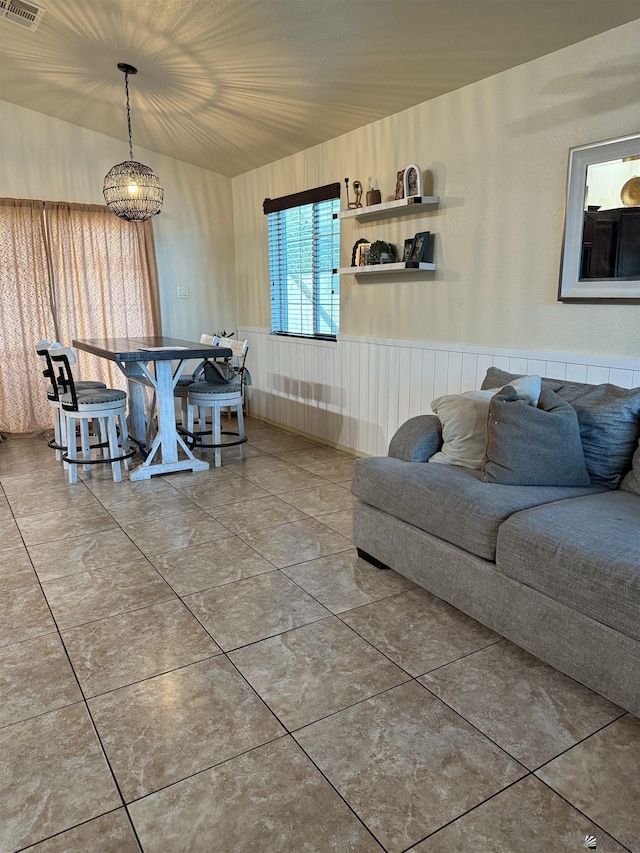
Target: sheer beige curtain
[[25, 317], [67, 271], [105, 277]]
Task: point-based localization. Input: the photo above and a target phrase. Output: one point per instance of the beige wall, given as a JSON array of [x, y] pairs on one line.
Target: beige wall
[[497, 155], [42, 157], [497, 151]]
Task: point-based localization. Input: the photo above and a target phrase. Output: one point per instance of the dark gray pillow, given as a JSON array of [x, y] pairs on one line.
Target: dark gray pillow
[[609, 419], [631, 482], [528, 446]]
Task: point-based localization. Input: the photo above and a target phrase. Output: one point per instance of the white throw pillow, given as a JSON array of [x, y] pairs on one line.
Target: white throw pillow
[[464, 421]]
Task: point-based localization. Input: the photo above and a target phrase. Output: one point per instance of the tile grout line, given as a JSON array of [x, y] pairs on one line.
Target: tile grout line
[[583, 813], [82, 694], [75, 826], [287, 732], [290, 733], [87, 710]]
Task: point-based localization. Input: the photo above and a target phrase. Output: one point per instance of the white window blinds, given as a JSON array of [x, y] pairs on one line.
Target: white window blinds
[[304, 252]]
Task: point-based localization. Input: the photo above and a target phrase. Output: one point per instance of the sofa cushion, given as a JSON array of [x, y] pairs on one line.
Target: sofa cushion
[[533, 445], [448, 501], [464, 421], [631, 482], [609, 419], [417, 439], [584, 553]]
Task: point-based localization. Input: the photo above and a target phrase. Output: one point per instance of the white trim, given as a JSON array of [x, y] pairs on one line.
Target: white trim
[[542, 355], [354, 393]]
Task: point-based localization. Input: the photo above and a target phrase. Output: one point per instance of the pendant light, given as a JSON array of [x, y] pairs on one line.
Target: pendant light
[[131, 190]]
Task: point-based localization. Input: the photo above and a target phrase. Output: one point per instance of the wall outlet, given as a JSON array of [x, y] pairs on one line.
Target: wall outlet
[[183, 292]]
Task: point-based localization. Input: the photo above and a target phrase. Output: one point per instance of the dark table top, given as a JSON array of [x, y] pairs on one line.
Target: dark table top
[[141, 349]]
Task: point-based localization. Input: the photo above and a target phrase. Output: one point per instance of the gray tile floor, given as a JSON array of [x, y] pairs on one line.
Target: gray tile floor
[[200, 662]]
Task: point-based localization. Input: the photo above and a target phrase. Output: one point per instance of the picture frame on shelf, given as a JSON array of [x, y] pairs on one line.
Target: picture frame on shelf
[[362, 254], [408, 245], [400, 184], [419, 247], [354, 251], [412, 181]]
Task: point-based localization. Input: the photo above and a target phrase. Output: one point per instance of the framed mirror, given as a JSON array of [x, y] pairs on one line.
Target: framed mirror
[[601, 246]]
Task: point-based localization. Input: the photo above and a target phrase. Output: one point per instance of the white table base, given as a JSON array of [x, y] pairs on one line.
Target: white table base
[[167, 440]]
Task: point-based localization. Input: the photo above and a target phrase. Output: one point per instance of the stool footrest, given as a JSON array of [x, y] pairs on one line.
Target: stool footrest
[[52, 444], [81, 460], [195, 438]]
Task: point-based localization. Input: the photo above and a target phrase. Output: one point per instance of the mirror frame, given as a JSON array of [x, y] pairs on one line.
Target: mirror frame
[[572, 288]]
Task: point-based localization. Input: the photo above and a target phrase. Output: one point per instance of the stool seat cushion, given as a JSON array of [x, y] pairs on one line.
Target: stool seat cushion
[[83, 385], [96, 397], [214, 388], [88, 385], [184, 380]]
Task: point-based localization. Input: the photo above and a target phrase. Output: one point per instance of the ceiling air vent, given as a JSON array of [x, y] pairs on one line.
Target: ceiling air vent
[[24, 14]]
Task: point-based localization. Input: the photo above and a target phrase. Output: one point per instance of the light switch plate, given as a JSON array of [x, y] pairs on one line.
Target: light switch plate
[[183, 292]]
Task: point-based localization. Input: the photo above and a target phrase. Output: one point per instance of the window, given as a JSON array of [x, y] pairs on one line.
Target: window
[[304, 254]]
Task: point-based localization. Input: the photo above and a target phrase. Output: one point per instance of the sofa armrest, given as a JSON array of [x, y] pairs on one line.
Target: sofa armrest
[[417, 439]]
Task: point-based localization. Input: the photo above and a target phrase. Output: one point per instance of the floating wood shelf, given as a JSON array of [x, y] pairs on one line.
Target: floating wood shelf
[[386, 209], [385, 269]]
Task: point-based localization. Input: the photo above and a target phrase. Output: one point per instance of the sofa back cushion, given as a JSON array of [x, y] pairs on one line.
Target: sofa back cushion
[[609, 419], [631, 482], [533, 446], [464, 422]]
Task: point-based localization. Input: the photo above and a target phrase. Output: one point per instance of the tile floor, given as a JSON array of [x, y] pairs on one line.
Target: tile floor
[[200, 662]]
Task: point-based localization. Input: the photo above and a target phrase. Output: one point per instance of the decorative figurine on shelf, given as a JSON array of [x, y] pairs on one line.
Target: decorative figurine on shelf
[[357, 188], [373, 195], [346, 183]]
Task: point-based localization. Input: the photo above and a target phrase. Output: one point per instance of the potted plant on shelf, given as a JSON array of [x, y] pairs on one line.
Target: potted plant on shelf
[[382, 253]]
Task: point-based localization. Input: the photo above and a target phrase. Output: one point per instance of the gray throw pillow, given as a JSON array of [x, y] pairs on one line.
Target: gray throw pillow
[[464, 422], [631, 482], [609, 419], [529, 446]]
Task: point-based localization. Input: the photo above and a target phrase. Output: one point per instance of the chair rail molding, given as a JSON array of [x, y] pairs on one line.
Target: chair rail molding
[[355, 392]]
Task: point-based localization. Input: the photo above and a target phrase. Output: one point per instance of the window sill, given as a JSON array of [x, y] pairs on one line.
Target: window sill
[[306, 339]]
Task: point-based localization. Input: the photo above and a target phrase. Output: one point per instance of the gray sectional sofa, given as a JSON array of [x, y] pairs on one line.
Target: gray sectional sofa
[[555, 569]]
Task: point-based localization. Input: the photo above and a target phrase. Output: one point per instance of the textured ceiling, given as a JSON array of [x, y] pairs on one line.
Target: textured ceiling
[[232, 84]]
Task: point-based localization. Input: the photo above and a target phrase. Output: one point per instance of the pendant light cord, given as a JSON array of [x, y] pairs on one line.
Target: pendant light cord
[[131, 190], [126, 89]]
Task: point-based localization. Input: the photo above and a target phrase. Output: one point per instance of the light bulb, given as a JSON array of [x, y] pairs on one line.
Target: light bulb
[[133, 189]]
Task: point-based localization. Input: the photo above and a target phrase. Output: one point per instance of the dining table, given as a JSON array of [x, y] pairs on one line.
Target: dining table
[[148, 363]]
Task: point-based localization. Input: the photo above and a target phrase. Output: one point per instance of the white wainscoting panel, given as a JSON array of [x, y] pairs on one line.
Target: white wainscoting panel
[[356, 392]]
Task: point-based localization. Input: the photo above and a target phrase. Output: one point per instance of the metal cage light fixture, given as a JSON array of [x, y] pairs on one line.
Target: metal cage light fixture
[[132, 191]]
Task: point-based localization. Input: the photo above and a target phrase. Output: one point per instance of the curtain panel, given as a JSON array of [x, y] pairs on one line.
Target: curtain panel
[[67, 271], [26, 316]]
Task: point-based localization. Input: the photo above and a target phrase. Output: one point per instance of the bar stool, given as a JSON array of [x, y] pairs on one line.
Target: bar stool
[[215, 396], [186, 379], [106, 405], [59, 441]]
